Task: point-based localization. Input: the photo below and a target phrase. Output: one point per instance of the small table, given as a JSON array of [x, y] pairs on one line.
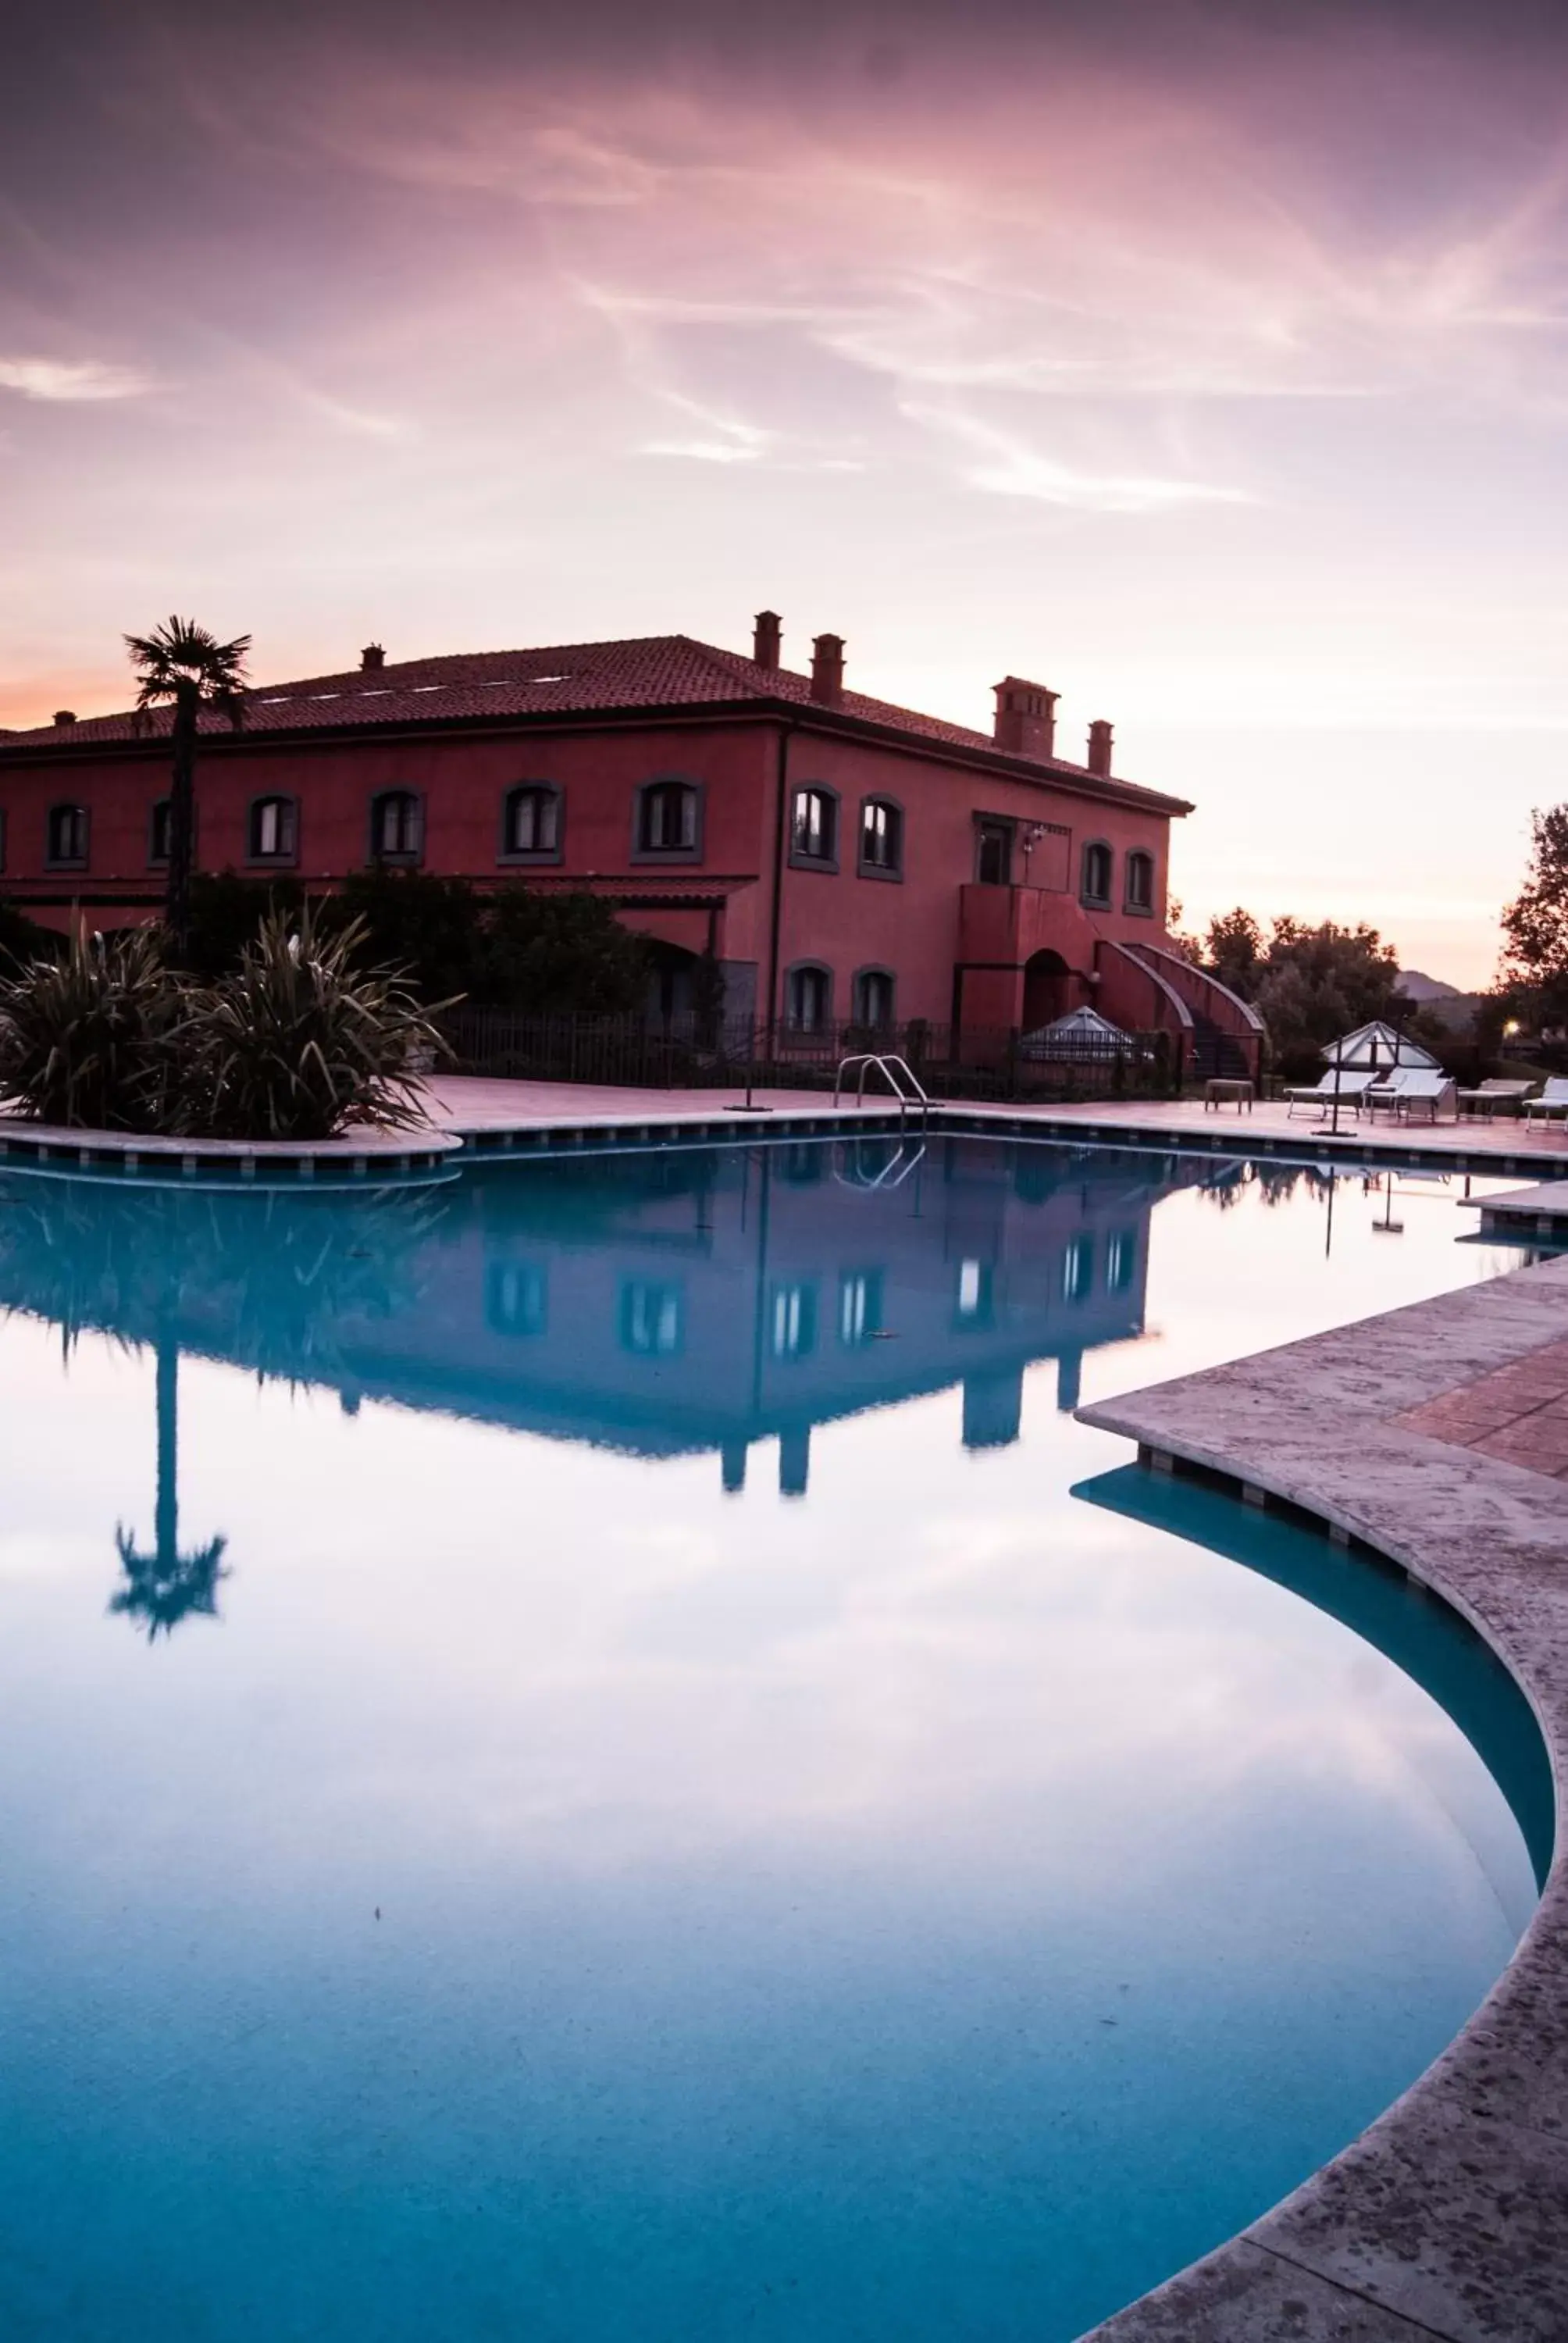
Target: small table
[[1226, 1089]]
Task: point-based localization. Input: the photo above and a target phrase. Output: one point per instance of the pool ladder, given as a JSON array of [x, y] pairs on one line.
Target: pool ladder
[[899, 1077]]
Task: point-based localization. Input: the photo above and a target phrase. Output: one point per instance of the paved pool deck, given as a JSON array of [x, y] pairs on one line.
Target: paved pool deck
[[495, 1114], [1438, 1437]]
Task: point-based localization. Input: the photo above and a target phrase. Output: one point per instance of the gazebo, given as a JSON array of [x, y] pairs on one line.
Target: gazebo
[[1377, 1049], [1082, 1032]]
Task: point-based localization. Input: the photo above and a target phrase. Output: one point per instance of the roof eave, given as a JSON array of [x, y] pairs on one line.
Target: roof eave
[[813, 715]]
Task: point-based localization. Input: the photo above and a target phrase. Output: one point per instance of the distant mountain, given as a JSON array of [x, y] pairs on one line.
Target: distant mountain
[[1416, 986]]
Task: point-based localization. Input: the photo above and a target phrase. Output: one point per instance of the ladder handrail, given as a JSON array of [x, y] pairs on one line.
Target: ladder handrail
[[890, 1067]]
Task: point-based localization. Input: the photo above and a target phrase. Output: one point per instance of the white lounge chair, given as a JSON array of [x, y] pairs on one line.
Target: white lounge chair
[[1352, 1087], [1498, 1095], [1409, 1090], [1553, 1101]]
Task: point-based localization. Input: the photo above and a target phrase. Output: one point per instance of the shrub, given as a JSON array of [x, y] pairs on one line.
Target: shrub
[[225, 911], [548, 954], [299, 1041], [92, 1040]]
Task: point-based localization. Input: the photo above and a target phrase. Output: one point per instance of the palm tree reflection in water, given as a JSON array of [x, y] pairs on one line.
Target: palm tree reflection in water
[[264, 1281], [164, 1586]]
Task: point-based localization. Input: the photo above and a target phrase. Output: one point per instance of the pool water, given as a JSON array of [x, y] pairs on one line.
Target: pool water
[[592, 1753]]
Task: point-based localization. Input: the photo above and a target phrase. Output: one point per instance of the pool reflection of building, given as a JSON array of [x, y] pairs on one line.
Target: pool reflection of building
[[662, 1305]]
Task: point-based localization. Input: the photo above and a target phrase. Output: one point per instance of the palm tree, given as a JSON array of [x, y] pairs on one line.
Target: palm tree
[[180, 663], [165, 1586]]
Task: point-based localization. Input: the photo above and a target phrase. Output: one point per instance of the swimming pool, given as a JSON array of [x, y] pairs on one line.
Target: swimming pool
[[591, 1752]]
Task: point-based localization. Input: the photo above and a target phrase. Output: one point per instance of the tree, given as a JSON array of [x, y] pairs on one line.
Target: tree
[[414, 920], [226, 910], [1535, 924], [547, 954], [1235, 951], [1318, 982], [180, 665]]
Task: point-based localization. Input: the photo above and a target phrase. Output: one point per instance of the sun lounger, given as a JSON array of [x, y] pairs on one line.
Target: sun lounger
[[1352, 1089], [1498, 1095], [1412, 1091], [1553, 1101]]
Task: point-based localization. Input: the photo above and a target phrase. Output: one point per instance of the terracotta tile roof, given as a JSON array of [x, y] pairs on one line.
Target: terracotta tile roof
[[654, 671]]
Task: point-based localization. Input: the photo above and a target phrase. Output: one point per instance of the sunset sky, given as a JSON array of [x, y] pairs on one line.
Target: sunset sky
[[1208, 364]]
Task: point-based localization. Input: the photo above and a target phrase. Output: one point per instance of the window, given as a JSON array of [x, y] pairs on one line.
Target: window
[[668, 819], [793, 1328], [814, 828], [993, 853], [517, 1298], [1121, 1260], [808, 999], [974, 1296], [1140, 882], [874, 998], [882, 839], [1078, 1268], [396, 827], [1097, 862], [859, 1307], [651, 1318], [66, 834], [272, 830], [160, 829], [531, 821]]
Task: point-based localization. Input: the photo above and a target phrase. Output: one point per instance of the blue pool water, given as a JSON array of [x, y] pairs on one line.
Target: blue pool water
[[590, 1753]]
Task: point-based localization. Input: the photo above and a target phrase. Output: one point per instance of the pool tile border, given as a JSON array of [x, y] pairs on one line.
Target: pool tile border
[[1448, 2217]]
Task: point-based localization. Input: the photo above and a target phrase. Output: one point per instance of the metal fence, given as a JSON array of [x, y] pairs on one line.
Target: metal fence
[[698, 1053]]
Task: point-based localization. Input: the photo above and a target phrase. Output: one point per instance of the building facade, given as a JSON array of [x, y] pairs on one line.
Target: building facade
[[847, 862]]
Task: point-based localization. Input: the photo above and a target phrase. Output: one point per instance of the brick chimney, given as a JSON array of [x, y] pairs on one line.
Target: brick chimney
[[65, 716], [1100, 748], [1025, 718], [828, 669], [371, 658], [767, 638]]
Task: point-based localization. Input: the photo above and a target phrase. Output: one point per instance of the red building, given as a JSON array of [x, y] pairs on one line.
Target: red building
[[845, 860]]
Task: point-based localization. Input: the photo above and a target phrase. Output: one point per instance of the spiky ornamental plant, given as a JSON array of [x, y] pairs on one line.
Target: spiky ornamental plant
[[300, 1042], [181, 666], [91, 1040]]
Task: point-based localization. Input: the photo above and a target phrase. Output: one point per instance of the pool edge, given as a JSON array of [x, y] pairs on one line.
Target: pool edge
[[1446, 2217]]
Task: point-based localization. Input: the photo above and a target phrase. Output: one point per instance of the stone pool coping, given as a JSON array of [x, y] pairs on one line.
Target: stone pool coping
[[120, 1154], [1448, 2217]]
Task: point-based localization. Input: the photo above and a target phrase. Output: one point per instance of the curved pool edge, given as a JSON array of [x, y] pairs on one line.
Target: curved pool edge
[[1447, 2216], [363, 1155]]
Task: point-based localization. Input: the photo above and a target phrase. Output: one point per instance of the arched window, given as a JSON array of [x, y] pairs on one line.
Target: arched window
[[531, 824], [396, 826], [274, 830], [669, 819], [66, 837], [159, 828], [808, 999], [1139, 879], [1097, 866], [882, 839], [814, 828], [874, 999]]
